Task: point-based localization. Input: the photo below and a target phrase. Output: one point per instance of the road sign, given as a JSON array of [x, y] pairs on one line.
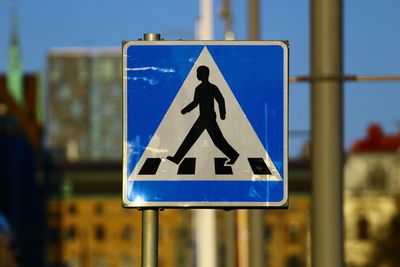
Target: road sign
[[205, 123]]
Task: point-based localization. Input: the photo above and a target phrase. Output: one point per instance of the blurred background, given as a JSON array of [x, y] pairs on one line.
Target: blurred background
[[60, 133]]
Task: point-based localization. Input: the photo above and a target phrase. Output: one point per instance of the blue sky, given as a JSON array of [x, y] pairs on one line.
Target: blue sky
[[371, 44]]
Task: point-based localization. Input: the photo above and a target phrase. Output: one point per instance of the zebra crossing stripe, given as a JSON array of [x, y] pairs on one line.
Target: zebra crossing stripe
[[150, 166], [258, 166], [220, 167], [188, 166]]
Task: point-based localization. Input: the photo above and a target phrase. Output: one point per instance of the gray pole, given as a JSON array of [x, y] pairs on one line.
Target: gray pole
[[256, 217], [326, 99], [256, 238], [150, 216], [254, 20], [230, 239], [230, 218], [226, 15], [149, 238]]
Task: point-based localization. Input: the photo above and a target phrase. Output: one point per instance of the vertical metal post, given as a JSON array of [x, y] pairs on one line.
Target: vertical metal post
[[256, 238], [326, 98], [152, 37], [255, 217], [205, 221], [243, 237], [226, 15], [150, 216], [253, 20], [230, 218], [205, 26], [150, 238], [230, 240]]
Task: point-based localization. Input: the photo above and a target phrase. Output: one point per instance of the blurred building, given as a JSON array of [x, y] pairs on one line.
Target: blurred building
[[89, 227], [85, 104], [87, 221], [287, 234], [14, 67], [22, 178], [8, 255], [371, 201], [372, 190]]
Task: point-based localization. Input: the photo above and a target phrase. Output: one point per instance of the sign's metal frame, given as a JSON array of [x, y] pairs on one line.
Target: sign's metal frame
[[212, 205]]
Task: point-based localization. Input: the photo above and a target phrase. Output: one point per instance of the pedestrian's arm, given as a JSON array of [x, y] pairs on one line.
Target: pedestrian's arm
[[191, 105], [221, 103]]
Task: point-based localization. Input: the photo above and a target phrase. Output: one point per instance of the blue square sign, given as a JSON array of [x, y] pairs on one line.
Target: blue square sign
[[205, 124]]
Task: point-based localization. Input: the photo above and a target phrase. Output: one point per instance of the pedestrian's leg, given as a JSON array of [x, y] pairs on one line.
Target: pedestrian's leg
[[192, 136], [220, 142]]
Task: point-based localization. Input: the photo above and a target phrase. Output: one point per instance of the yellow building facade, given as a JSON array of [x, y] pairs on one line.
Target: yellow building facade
[[87, 226], [97, 231]]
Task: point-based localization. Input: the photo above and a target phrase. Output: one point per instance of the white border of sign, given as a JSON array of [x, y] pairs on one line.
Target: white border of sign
[[229, 205]]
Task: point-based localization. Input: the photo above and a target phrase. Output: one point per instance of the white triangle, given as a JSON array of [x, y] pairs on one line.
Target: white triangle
[[174, 127]]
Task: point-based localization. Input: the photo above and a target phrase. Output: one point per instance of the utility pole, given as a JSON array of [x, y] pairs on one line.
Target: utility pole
[[226, 15], [326, 99], [255, 217], [254, 19], [205, 221], [150, 215], [230, 216]]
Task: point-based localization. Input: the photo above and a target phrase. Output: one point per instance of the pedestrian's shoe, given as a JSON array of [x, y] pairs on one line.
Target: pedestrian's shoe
[[232, 160], [173, 159]]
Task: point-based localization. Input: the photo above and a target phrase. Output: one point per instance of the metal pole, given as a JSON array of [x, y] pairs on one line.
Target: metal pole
[[150, 216], [230, 218], [205, 26], [326, 98], [226, 15], [256, 238], [206, 238], [255, 217], [205, 221], [254, 20], [230, 239], [152, 37], [243, 238], [149, 238], [356, 78]]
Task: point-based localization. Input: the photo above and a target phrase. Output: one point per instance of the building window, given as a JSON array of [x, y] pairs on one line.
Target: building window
[[76, 109], [108, 69], [362, 227], [54, 127], [98, 209], [64, 92], [55, 70], [99, 233], [267, 233], [53, 235], [126, 261], [100, 262], [127, 233], [293, 233], [73, 262], [72, 209], [377, 178], [71, 233], [82, 68], [294, 261]]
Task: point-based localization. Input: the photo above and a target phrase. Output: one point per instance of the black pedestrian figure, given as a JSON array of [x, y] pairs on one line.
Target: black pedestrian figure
[[204, 96]]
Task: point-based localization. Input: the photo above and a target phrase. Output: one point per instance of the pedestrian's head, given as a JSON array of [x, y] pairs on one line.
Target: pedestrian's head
[[202, 73]]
